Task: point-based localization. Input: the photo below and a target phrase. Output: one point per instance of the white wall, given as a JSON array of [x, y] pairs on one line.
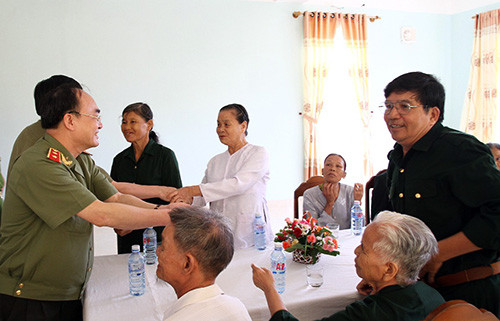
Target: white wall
[[188, 58], [184, 58]]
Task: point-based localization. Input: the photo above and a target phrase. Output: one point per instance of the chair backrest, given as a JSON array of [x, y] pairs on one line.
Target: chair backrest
[[459, 310], [368, 186], [311, 182]]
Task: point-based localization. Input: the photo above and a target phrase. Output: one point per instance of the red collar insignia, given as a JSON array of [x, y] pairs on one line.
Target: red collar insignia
[[54, 155], [58, 157]]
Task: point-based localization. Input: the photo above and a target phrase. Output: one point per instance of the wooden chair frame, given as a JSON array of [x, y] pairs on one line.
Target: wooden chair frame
[[311, 182]]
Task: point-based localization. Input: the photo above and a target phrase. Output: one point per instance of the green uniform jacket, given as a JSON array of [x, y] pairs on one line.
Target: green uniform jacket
[[46, 251], [156, 166], [449, 180], [394, 302], [25, 140]]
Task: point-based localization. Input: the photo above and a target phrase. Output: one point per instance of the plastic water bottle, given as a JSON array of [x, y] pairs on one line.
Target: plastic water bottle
[[149, 239], [357, 218], [278, 267], [259, 232], [136, 273]]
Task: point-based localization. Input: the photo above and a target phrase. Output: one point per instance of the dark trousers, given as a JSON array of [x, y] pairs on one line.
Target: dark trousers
[[21, 309], [483, 293]]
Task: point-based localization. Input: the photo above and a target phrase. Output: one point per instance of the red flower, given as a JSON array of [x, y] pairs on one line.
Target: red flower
[[281, 237], [311, 238], [286, 245], [298, 232]]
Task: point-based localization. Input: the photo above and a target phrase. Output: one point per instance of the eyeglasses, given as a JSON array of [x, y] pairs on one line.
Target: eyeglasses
[[402, 108], [98, 118]]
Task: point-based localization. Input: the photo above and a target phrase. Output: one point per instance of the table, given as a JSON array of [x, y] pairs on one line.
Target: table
[[107, 296]]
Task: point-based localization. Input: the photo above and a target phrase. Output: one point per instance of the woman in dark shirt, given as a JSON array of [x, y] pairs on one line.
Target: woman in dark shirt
[[145, 162]]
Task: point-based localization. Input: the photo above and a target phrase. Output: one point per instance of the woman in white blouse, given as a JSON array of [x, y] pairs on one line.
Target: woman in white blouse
[[235, 181]]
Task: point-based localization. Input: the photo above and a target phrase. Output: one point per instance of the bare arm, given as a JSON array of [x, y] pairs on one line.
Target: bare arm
[[263, 279], [126, 212], [144, 191], [449, 248], [129, 200]]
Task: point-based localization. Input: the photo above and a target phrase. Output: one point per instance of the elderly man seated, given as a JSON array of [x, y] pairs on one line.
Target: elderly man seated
[[393, 250], [196, 247]]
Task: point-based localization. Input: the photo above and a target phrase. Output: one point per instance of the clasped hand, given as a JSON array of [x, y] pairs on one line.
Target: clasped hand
[[183, 195]]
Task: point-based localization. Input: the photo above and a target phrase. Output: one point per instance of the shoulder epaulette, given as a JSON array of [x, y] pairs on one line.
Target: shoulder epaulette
[[58, 157]]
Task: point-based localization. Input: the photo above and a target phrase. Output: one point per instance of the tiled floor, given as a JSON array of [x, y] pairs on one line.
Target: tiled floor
[[105, 239]]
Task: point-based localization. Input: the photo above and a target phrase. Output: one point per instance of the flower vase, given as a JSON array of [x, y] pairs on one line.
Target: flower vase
[[300, 257]]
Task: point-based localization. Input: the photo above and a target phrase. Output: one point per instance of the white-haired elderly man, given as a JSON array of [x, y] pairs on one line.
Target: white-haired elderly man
[[393, 250], [196, 247]]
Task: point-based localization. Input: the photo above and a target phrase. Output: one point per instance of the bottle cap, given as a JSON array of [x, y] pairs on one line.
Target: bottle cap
[[136, 247], [257, 215], [357, 202], [278, 244]]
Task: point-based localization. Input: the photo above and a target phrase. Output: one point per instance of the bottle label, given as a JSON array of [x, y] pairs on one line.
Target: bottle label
[[280, 267]]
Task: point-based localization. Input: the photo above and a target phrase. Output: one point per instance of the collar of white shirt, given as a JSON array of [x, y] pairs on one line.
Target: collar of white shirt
[[194, 296]]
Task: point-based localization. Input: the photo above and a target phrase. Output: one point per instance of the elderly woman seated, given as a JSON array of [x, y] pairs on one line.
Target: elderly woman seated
[[330, 202], [393, 250]]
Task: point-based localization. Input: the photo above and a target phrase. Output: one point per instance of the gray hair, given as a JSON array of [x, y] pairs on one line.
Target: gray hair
[[206, 235], [406, 241]]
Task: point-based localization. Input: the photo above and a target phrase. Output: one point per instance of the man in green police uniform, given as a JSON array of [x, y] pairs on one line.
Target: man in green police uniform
[[35, 131], [448, 179], [54, 195]]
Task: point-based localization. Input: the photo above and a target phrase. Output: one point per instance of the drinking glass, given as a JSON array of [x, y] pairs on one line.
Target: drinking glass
[[335, 228], [314, 274]]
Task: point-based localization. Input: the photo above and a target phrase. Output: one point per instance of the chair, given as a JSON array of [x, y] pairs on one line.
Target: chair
[[368, 186], [459, 310], [311, 182]]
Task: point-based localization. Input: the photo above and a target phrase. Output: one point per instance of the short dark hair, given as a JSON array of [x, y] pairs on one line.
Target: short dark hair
[[57, 103], [493, 145], [49, 84], [241, 114], [206, 235], [143, 110], [333, 154], [429, 91]]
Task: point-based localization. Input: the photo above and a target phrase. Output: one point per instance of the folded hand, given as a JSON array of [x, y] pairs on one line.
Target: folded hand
[[181, 195], [429, 270], [364, 288], [358, 191], [165, 192]]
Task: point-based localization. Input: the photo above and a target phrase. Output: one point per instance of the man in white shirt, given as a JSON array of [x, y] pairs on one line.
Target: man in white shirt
[[196, 247]]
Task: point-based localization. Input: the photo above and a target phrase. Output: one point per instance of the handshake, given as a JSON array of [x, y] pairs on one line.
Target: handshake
[[176, 195]]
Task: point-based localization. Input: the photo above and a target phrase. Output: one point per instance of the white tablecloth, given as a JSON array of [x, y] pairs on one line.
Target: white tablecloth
[[107, 296]]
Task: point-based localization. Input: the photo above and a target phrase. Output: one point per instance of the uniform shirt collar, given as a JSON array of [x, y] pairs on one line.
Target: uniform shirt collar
[[149, 149]]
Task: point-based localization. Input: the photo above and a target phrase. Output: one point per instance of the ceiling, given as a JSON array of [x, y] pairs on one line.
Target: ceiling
[[429, 6]]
